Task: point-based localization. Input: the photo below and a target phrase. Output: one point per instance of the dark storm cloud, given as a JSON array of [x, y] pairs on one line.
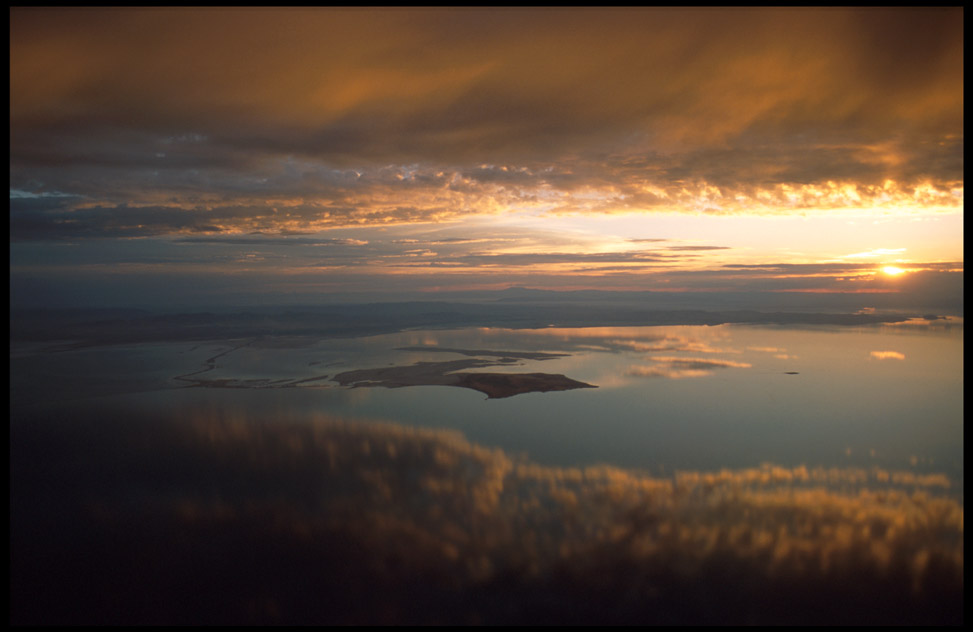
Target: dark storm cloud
[[455, 112]]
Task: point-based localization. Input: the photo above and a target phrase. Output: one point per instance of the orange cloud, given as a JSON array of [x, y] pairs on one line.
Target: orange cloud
[[361, 117]]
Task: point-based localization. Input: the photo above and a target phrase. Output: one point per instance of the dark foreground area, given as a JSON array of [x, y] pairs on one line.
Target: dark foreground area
[[141, 520]]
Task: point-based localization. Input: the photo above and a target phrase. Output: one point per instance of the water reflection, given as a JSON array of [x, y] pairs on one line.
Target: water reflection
[[887, 355], [678, 367], [814, 395], [237, 519]]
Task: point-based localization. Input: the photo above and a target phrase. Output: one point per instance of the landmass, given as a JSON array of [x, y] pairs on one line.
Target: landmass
[[241, 383], [526, 355], [250, 383], [499, 385], [79, 328], [493, 385], [447, 373]]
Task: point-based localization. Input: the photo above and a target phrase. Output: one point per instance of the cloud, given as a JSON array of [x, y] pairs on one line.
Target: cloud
[[482, 82], [501, 126], [357, 117], [681, 248], [552, 258], [878, 252], [261, 240]]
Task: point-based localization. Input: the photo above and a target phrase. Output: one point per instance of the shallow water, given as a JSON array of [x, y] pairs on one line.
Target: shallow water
[[692, 397]]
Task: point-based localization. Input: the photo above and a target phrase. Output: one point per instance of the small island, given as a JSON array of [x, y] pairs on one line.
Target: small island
[[499, 385]]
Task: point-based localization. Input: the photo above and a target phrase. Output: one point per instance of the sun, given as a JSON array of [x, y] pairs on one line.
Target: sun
[[893, 270]]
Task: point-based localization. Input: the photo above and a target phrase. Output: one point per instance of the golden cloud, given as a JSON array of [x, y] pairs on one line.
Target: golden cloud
[[369, 117]]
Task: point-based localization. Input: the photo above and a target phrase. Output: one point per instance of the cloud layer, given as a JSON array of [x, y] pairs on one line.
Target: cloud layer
[[302, 120]]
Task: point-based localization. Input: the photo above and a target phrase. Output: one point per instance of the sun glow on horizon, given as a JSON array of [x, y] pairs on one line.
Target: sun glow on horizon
[[893, 270]]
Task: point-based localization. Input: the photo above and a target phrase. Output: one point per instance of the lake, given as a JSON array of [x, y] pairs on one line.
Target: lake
[[691, 397], [191, 433]]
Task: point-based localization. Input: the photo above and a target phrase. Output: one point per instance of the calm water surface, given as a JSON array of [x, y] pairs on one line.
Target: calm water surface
[[760, 475], [668, 398]]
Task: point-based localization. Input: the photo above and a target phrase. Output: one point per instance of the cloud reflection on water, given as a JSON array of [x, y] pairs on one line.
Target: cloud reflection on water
[[887, 355], [224, 519], [676, 367]]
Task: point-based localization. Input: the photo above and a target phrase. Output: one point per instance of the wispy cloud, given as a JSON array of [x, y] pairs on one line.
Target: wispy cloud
[[626, 110], [878, 252]]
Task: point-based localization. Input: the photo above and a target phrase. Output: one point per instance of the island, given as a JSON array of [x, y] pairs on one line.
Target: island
[[449, 373], [445, 373]]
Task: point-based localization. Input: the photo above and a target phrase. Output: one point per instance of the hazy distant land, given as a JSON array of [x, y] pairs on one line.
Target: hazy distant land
[[297, 326], [526, 355], [87, 327]]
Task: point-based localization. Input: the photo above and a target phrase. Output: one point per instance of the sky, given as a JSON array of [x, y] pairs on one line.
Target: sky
[[296, 154]]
